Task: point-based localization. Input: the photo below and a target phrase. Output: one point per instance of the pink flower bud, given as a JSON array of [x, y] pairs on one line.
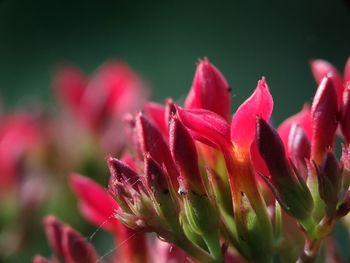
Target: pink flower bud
[[347, 71], [289, 188], [155, 177], [113, 90], [15, 144], [68, 243], [76, 249], [184, 152], [329, 182], [156, 112], [299, 146], [120, 172], [209, 90], [70, 84], [53, 230], [320, 69], [152, 141], [302, 119], [324, 114], [345, 116]]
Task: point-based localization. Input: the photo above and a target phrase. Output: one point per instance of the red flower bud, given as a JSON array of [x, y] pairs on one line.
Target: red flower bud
[[347, 71], [302, 119], [321, 69], [113, 90], [70, 84], [76, 249], [152, 141], [120, 172], [324, 114], [184, 152], [157, 113], [68, 243], [299, 147], [289, 188], [329, 182], [53, 230], [209, 90], [345, 116], [155, 177]]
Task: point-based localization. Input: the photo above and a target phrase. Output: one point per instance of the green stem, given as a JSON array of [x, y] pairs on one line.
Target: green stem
[[315, 238], [194, 251], [212, 241]]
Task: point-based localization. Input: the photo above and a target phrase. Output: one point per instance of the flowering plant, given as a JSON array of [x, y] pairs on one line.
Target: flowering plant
[[213, 188], [221, 190]]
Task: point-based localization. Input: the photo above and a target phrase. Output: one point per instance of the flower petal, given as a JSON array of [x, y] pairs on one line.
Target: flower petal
[[243, 124]]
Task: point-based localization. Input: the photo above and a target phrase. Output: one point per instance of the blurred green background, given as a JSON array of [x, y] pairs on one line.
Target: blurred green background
[[162, 40]]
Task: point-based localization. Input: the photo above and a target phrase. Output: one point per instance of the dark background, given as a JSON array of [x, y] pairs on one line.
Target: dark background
[[162, 40]]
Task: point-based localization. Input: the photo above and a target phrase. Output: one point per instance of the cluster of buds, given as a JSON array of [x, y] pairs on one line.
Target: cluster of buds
[[22, 143], [36, 145], [221, 189], [95, 106], [216, 188]]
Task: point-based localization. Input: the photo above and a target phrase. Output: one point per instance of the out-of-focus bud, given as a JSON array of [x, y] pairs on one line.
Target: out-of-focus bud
[[68, 243], [209, 90], [95, 203], [76, 249], [53, 230], [15, 144], [345, 116], [321, 69], [184, 152], [100, 208], [70, 84], [329, 182], [325, 117], [288, 187], [41, 259], [151, 141], [164, 252], [298, 145], [113, 90], [346, 76]]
